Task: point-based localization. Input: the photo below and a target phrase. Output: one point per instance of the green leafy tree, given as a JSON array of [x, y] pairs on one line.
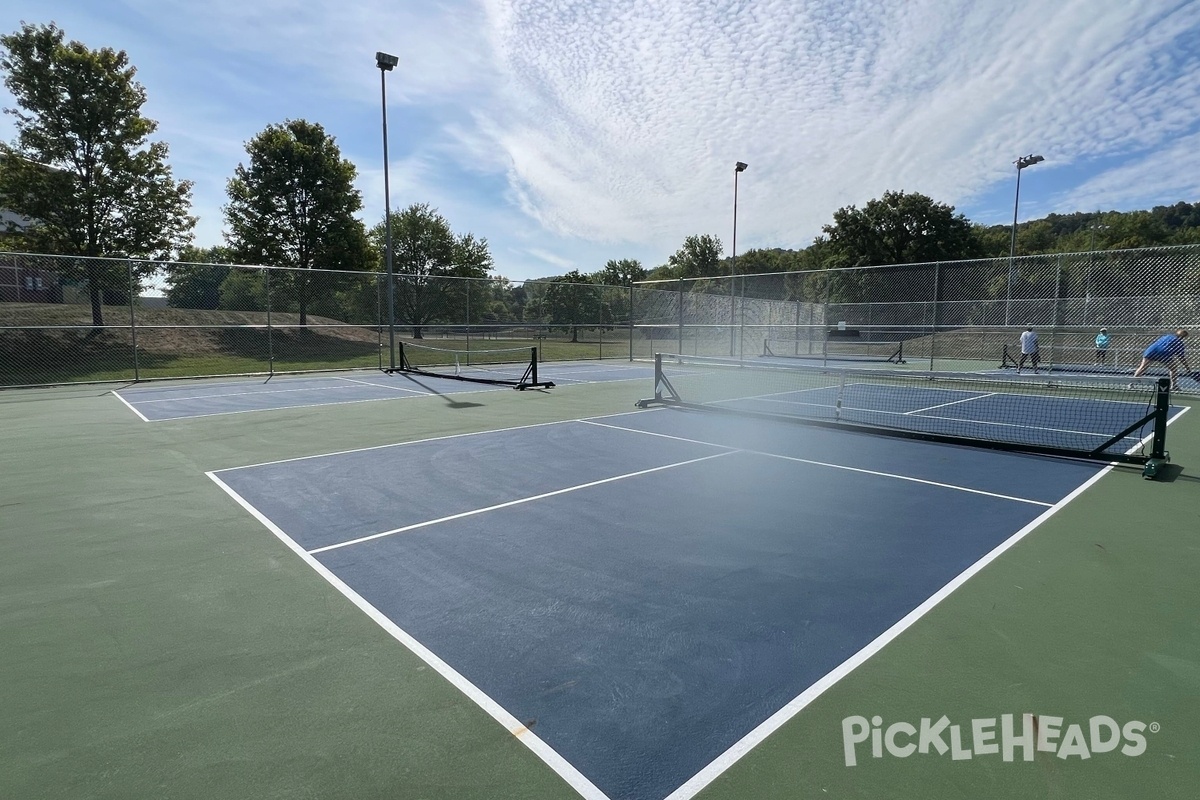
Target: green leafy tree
[[617, 273], [700, 257], [195, 282], [429, 261], [899, 228], [569, 301], [82, 167], [293, 206], [243, 290], [620, 272]]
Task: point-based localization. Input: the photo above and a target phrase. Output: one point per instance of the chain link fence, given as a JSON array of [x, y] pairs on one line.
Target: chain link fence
[[953, 315], [66, 319]]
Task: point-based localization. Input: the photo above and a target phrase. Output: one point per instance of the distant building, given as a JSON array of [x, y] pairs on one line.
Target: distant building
[[20, 283], [23, 284]]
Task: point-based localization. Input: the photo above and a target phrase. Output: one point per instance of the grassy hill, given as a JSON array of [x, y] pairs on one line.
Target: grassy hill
[[56, 343]]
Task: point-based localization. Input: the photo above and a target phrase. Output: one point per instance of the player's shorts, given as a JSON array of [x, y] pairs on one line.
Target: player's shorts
[[1156, 354]]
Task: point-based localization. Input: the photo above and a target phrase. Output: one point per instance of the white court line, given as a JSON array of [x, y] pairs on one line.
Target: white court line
[[440, 438], [951, 403], [511, 503], [302, 405], [561, 381], [272, 391], [894, 476], [386, 386], [563, 768], [129, 405], [777, 720]]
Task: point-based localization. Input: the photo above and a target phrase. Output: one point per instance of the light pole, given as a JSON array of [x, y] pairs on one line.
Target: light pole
[[1022, 163], [385, 63], [738, 167]]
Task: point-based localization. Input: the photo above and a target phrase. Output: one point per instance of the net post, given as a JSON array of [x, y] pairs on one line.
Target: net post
[[1158, 446], [533, 355], [661, 384]]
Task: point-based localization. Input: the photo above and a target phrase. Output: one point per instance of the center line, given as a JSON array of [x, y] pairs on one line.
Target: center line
[[510, 503]]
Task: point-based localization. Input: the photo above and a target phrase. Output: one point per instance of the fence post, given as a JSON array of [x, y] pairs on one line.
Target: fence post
[[1058, 274], [270, 341], [133, 319], [631, 320], [732, 313], [795, 334], [680, 315], [937, 288]]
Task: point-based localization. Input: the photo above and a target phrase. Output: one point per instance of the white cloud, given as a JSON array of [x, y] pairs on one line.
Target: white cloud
[[564, 131], [623, 119]]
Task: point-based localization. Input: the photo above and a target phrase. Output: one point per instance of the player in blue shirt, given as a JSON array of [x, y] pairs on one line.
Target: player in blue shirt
[[1168, 350], [1102, 346]]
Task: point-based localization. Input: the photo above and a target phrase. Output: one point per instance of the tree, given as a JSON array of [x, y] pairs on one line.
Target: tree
[[614, 303], [427, 258], [82, 167], [756, 261], [293, 206], [700, 257], [899, 228], [243, 290], [569, 301], [196, 282], [622, 272]]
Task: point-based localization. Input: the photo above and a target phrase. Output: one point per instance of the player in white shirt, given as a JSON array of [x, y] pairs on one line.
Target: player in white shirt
[[1029, 350]]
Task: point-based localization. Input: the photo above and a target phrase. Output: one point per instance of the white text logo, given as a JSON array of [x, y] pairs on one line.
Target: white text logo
[[989, 737]]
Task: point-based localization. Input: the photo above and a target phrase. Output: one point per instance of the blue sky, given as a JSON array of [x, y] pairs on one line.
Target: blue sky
[[570, 132]]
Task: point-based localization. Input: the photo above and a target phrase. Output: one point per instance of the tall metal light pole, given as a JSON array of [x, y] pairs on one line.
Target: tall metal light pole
[[1022, 163], [739, 167], [385, 63]]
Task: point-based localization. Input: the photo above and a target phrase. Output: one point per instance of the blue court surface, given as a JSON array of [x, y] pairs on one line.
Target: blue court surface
[[641, 597], [166, 401]]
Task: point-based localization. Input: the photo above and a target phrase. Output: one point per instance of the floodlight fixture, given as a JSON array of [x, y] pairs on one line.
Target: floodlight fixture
[[386, 61]]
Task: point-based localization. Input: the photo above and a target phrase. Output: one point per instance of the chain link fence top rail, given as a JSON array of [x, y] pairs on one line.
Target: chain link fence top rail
[[65, 319]]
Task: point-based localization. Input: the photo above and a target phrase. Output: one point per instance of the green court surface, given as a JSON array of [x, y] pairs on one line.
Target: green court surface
[[158, 641]]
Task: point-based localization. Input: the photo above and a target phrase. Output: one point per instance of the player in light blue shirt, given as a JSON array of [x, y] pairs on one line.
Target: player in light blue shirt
[[1102, 346]]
